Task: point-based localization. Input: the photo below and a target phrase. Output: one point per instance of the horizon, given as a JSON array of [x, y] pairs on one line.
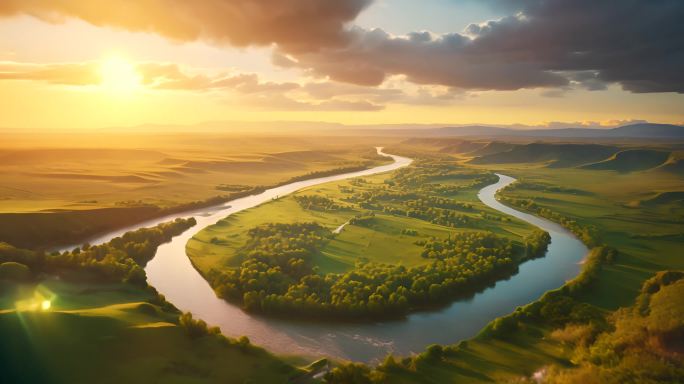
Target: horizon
[[229, 126], [64, 68]]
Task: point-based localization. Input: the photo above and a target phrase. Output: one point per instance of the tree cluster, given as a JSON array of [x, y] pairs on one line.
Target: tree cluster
[[120, 260], [277, 276], [317, 203]]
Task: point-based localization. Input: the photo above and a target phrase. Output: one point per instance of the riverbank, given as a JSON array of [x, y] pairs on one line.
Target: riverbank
[[174, 275]]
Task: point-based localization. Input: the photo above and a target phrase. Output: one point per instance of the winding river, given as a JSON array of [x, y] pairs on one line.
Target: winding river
[[174, 276]]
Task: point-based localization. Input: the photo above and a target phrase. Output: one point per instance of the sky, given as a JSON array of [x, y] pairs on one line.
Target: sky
[[79, 64]]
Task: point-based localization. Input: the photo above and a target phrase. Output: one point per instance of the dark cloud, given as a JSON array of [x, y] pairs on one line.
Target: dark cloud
[[553, 43]]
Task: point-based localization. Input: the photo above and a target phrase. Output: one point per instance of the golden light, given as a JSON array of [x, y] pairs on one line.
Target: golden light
[[119, 75], [40, 300]]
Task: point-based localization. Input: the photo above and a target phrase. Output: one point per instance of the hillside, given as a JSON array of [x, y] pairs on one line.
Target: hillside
[[631, 160], [645, 130], [555, 155], [674, 164]]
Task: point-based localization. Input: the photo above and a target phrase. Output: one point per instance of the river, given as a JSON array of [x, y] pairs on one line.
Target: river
[[172, 274]]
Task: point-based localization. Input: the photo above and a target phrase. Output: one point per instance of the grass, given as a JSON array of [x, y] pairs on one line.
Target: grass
[[646, 234], [112, 334], [112, 325], [636, 231], [381, 241], [632, 160], [74, 188], [111, 170]]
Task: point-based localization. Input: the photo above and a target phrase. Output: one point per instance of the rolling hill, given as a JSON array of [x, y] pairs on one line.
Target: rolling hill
[[643, 131], [631, 160], [554, 155]]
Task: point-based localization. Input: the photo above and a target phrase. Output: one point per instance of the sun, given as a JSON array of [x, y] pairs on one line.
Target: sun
[[119, 75]]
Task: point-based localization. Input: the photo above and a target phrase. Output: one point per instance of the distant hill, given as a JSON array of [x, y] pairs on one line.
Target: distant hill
[[644, 130], [631, 160], [555, 155], [492, 147]]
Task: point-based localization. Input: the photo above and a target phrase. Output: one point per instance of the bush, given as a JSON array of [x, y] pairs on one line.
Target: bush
[[351, 373], [195, 328]]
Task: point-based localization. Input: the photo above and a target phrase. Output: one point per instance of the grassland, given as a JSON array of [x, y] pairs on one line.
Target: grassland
[[647, 235], [113, 333], [82, 185], [636, 210], [88, 315], [630, 215], [381, 241], [399, 220]]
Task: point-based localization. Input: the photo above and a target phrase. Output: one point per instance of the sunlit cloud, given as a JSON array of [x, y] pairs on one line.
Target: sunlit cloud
[[541, 44], [119, 75]]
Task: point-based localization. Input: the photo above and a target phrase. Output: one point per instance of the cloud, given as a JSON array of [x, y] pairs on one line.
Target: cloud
[[542, 44], [295, 25], [249, 87], [62, 73], [550, 44], [423, 59]]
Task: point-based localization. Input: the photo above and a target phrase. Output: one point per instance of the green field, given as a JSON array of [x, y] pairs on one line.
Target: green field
[[648, 236], [636, 210], [381, 241], [639, 213], [112, 334]]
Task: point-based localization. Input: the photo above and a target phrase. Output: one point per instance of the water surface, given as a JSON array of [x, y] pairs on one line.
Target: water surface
[[173, 275]]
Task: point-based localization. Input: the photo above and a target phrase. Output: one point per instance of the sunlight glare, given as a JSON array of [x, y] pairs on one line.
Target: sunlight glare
[[119, 75]]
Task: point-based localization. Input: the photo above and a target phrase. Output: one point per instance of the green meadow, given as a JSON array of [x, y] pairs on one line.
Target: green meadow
[[631, 207], [116, 333], [381, 240], [639, 213]]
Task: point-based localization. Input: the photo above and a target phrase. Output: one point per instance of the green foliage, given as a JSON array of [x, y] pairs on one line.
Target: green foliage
[[317, 203], [277, 277], [349, 373], [464, 244], [589, 235], [120, 260], [597, 258], [536, 244], [641, 345], [196, 328], [363, 220]]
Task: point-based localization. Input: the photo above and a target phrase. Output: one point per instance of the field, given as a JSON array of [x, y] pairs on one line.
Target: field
[[87, 184], [381, 241], [638, 212], [648, 235], [632, 206], [87, 327]]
